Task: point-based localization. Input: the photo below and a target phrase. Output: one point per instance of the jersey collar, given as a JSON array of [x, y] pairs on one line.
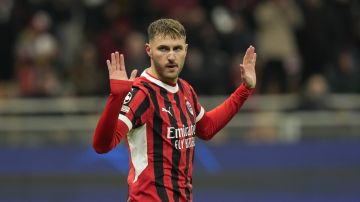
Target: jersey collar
[[171, 89]]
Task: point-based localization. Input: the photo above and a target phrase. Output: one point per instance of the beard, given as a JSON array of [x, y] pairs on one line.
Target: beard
[[168, 72]]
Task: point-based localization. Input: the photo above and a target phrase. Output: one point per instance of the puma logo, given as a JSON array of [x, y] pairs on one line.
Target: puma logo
[[165, 110]]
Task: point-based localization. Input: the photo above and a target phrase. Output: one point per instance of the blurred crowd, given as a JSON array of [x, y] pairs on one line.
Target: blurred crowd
[[59, 48]]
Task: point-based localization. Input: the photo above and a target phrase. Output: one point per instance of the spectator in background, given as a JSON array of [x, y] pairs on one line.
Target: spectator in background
[[6, 40], [112, 37], [94, 17], [341, 15], [242, 32], [6, 50], [68, 30], [94, 81], [328, 28], [277, 22], [315, 95], [343, 71], [206, 74], [344, 74], [36, 54], [216, 29], [135, 53], [314, 38]]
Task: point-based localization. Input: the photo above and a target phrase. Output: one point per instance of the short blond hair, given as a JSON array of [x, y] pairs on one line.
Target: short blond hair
[[166, 27]]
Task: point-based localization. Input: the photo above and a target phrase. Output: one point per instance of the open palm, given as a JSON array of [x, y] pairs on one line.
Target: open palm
[[117, 68], [247, 68]]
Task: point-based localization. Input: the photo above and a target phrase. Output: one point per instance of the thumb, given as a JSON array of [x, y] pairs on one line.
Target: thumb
[[242, 70], [133, 74]]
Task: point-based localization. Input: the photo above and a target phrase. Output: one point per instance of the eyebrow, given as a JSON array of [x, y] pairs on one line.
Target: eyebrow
[[166, 46], [163, 46], [179, 46]]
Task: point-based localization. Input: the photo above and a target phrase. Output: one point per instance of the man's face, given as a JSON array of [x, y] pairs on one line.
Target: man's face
[[167, 57]]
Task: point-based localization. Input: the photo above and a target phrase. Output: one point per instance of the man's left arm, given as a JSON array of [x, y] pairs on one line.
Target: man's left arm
[[213, 121]]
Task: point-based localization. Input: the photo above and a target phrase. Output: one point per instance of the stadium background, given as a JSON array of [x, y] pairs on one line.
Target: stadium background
[[296, 139]]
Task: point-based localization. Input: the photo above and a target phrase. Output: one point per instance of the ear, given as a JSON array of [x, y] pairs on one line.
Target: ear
[[148, 49]]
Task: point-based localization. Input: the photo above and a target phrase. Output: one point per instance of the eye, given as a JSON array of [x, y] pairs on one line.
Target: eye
[[178, 48], [163, 49]]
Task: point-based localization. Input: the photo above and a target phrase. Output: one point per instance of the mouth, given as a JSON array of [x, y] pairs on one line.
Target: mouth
[[171, 65]]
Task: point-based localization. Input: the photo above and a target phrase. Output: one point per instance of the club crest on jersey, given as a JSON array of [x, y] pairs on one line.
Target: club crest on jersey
[[128, 98], [188, 106]]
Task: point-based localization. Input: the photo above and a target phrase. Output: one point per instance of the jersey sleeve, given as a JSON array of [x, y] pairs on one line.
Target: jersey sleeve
[[134, 108], [109, 131], [213, 121]]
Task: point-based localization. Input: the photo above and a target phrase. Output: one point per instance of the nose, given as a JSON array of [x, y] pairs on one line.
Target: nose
[[171, 56]]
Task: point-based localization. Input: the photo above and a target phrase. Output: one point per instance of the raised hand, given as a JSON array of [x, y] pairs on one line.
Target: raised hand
[[247, 68], [117, 68]]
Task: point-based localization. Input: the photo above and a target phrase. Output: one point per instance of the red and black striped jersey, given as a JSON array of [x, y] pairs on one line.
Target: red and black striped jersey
[[161, 119], [159, 123]]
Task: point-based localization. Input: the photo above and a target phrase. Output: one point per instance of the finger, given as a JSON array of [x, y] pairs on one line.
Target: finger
[[254, 58], [108, 64], [247, 55], [242, 69], [122, 62], [117, 59], [133, 75], [113, 59]]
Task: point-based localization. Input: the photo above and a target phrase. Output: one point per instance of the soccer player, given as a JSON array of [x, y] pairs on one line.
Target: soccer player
[[159, 115]]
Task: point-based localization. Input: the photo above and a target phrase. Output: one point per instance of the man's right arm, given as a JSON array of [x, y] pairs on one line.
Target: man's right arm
[[109, 130]]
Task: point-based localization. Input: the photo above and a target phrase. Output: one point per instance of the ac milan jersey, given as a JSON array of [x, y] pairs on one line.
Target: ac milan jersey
[[161, 119]]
